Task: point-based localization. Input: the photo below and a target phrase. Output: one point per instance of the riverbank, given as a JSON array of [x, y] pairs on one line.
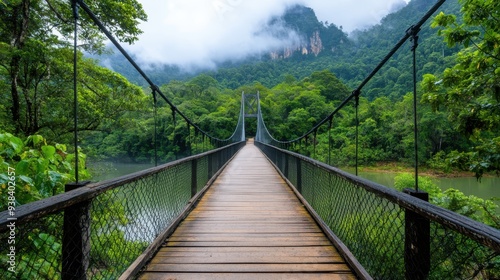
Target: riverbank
[[396, 167]]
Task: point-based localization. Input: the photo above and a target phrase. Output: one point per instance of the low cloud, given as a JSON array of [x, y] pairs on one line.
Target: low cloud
[[352, 15], [199, 33]]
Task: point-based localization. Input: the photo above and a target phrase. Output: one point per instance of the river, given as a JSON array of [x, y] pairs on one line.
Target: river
[[104, 170], [488, 187]]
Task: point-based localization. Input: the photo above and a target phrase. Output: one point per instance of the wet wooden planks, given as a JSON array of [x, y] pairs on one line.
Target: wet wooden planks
[[249, 225]]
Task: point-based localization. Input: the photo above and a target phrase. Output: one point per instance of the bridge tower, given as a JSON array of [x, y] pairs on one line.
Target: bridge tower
[[251, 101]]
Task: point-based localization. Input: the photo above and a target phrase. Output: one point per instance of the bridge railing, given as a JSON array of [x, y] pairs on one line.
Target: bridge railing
[[98, 230], [392, 234]]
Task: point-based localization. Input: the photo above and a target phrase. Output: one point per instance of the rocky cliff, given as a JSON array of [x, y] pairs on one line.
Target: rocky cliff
[[315, 37]]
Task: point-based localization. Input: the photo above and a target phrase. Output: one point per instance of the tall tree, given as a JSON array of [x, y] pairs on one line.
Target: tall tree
[[30, 30]]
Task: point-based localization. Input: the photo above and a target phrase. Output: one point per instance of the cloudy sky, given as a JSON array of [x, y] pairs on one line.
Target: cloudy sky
[[200, 33]]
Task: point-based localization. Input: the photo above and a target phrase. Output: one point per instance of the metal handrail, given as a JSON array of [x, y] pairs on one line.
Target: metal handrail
[[486, 235]]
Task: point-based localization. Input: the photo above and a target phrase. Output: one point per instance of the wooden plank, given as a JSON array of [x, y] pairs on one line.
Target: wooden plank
[[251, 256], [243, 259], [274, 251], [248, 276], [246, 235], [236, 218], [271, 206], [241, 268], [248, 222], [223, 238], [259, 225], [277, 213], [221, 226], [252, 231], [247, 243]]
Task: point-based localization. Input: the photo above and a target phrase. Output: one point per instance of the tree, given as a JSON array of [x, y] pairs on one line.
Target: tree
[[203, 86], [470, 90], [28, 31], [331, 87]]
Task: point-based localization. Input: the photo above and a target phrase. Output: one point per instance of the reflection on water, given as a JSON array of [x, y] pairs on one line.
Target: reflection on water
[[104, 170]]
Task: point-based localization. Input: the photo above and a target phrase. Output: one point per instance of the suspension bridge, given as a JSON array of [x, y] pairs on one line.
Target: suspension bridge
[[244, 209]]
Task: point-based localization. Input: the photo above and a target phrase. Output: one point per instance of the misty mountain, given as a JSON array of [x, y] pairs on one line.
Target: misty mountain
[[320, 45], [299, 21], [315, 36]]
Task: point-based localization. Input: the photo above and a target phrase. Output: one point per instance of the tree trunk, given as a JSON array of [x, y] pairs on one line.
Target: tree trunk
[[20, 20], [14, 73]]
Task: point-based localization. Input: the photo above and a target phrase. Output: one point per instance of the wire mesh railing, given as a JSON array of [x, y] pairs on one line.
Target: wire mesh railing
[[98, 230], [393, 235]]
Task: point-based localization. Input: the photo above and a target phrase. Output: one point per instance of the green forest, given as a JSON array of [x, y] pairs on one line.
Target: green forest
[[459, 93]]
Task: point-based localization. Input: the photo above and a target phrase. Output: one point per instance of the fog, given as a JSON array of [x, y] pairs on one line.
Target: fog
[[201, 33]]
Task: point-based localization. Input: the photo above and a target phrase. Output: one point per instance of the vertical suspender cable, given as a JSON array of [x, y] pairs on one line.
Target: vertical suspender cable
[[155, 136], [190, 140], [174, 131], [414, 39], [357, 132], [242, 116], [314, 143], [330, 141], [75, 87]]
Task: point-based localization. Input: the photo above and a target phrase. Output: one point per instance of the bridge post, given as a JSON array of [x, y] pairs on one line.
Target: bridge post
[[194, 177], [285, 170], [76, 238], [299, 175], [417, 241], [210, 164]]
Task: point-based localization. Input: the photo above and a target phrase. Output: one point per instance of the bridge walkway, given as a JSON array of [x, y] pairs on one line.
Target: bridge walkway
[[249, 225]]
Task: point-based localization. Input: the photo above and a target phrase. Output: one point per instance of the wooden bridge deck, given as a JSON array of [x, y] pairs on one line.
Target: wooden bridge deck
[[249, 225]]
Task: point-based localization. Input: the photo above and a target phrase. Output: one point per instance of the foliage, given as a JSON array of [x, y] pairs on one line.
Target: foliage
[[470, 90], [41, 170], [485, 157], [440, 162], [481, 210], [39, 251]]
